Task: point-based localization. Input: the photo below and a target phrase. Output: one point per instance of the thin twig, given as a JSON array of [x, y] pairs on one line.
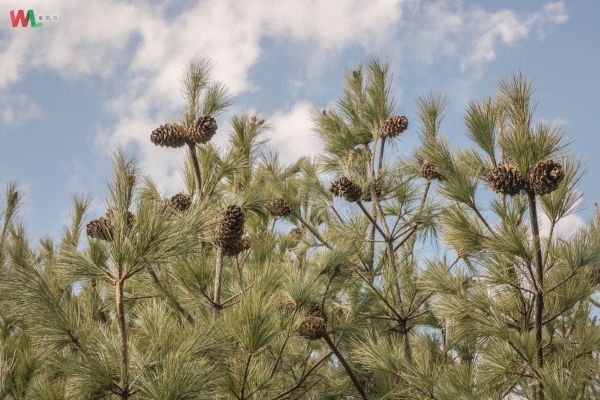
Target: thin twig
[[196, 166], [303, 377], [246, 369], [364, 210]]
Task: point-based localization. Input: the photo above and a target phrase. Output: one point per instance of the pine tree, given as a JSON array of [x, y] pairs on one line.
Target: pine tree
[[317, 279], [516, 312]]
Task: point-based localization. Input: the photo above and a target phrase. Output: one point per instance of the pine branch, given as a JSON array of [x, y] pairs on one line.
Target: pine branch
[[196, 166], [346, 366], [218, 280], [156, 280]]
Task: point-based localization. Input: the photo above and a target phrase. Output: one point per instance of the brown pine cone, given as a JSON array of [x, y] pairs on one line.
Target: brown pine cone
[[314, 326], [180, 202], [506, 179], [100, 228], [394, 126], [346, 188], [280, 208], [170, 135], [203, 129], [230, 229], [288, 306], [546, 176], [429, 171]]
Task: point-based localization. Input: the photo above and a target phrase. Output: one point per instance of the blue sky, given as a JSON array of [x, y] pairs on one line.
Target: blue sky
[[107, 73]]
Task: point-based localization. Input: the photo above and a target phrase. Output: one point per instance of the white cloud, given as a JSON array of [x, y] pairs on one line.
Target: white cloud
[[471, 34], [15, 109], [565, 228], [139, 48], [506, 27], [292, 132]]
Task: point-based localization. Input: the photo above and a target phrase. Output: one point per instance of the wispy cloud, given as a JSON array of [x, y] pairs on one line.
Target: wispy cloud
[[15, 109]]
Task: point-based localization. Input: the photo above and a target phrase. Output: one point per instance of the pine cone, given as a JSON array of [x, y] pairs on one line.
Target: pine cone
[[367, 196], [314, 326], [545, 176], [203, 130], [280, 208], [394, 126], [238, 246], [346, 188], [288, 305], [180, 202], [100, 228], [429, 172], [170, 135], [230, 229], [506, 179]]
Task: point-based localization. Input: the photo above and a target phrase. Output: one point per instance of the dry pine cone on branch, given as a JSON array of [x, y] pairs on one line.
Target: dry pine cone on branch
[[546, 176], [230, 229], [506, 179], [314, 327], [99, 228], [346, 188], [394, 126], [170, 135], [238, 246], [103, 228], [429, 171], [203, 129], [180, 202], [280, 208]]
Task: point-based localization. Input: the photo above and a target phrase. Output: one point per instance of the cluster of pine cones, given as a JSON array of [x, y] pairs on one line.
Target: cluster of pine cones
[[176, 135], [352, 191], [229, 235], [543, 178]]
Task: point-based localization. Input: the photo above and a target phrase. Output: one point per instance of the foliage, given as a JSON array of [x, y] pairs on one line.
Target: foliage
[[497, 310]]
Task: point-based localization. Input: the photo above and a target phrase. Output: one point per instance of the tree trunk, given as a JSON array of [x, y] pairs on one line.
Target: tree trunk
[[123, 348], [539, 292], [405, 340]]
